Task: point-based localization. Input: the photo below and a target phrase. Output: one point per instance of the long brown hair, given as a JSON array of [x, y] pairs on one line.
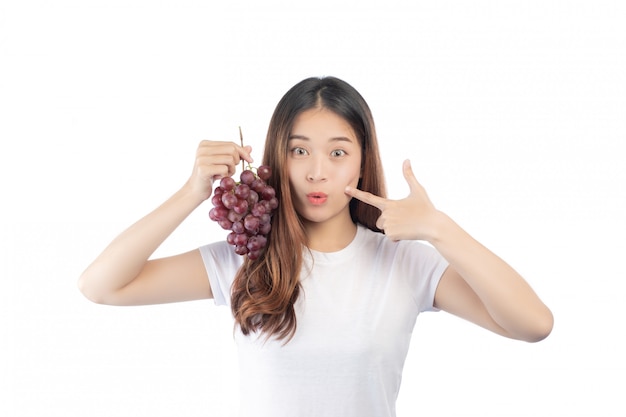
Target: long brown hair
[[265, 290]]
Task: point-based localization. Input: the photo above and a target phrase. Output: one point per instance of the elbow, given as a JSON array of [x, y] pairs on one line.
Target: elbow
[[530, 328], [83, 287], [88, 291]]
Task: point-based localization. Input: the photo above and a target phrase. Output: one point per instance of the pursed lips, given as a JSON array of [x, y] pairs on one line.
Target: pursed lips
[[317, 198]]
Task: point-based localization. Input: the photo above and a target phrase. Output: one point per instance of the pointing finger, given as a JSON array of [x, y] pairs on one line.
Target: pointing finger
[[366, 197]]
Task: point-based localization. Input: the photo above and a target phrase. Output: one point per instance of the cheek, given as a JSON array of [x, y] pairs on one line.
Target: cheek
[[351, 175], [293, 173]]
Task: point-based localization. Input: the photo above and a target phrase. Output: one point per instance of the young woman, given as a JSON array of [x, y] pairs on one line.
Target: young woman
[[324, 318]]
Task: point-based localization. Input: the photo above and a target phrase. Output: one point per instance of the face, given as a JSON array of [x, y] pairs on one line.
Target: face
[[324, 157]]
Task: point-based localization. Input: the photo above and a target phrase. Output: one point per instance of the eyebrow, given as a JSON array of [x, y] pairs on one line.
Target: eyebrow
[[333, 139]]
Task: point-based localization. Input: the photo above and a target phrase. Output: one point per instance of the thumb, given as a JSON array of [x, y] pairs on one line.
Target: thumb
[[414, 185]]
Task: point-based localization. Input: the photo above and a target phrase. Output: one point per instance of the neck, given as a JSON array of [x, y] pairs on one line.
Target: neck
[[330, 236]]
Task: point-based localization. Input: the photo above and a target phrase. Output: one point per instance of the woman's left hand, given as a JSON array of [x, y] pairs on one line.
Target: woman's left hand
[[412, 218]]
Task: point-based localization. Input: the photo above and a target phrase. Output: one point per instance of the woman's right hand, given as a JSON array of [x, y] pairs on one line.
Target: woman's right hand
[[215, 160]]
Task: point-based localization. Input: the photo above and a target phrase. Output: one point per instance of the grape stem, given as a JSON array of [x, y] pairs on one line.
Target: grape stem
[[243, 167]]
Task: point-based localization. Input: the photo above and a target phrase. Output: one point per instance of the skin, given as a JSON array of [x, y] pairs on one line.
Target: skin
[[478, 285], [324, 157], [123, 274]]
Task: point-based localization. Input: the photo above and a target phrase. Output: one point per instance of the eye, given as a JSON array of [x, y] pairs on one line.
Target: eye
[[297, 151], [338, 152]]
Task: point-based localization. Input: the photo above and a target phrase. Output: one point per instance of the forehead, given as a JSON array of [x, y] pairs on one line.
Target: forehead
[[321, 124]]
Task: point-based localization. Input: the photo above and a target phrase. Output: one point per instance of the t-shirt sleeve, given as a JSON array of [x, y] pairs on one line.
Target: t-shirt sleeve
[[221, 264], [426, 267]]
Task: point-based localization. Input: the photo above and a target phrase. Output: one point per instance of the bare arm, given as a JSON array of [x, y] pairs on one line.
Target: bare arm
[[122, 273], [478, 285], [482, 288]]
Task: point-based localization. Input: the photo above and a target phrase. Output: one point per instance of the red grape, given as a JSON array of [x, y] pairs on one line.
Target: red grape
[[240, 239], [216, 200], [253, 198], [225, 224], [227, 183], [258, 210], [241, 250], [268, 193], [218, 213], [251, 224], [264, 172], [253, 244], [258, 185], [245, 208], [234, 217], [242, 191], [238, 227], [264, 229], [241, 206], [229, 200], [247, 177]]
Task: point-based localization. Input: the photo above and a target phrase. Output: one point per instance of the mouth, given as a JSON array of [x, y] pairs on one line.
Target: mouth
[[317, 198]]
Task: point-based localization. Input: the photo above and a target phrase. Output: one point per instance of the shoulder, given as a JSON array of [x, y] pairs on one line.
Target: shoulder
[[221, 264], [220, 253], [219, 249]]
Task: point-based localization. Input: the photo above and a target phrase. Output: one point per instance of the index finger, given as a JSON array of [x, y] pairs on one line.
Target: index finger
[[368, 198], [229, 148]]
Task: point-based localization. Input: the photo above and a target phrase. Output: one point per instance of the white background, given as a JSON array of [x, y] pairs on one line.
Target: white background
[[512, 113]]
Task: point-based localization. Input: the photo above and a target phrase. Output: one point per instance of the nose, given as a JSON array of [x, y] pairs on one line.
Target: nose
[[317, 170]]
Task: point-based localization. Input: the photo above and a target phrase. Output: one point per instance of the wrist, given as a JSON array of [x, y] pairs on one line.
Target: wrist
[[442, 228], [189, 195]]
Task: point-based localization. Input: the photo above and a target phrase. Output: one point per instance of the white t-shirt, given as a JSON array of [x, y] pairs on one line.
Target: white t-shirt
[[355, 317]]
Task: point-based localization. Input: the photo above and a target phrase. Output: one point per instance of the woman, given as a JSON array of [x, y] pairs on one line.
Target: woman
[[324, 317]]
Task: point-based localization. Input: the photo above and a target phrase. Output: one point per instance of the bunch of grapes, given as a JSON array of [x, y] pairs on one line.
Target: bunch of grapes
[[245, 208]]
